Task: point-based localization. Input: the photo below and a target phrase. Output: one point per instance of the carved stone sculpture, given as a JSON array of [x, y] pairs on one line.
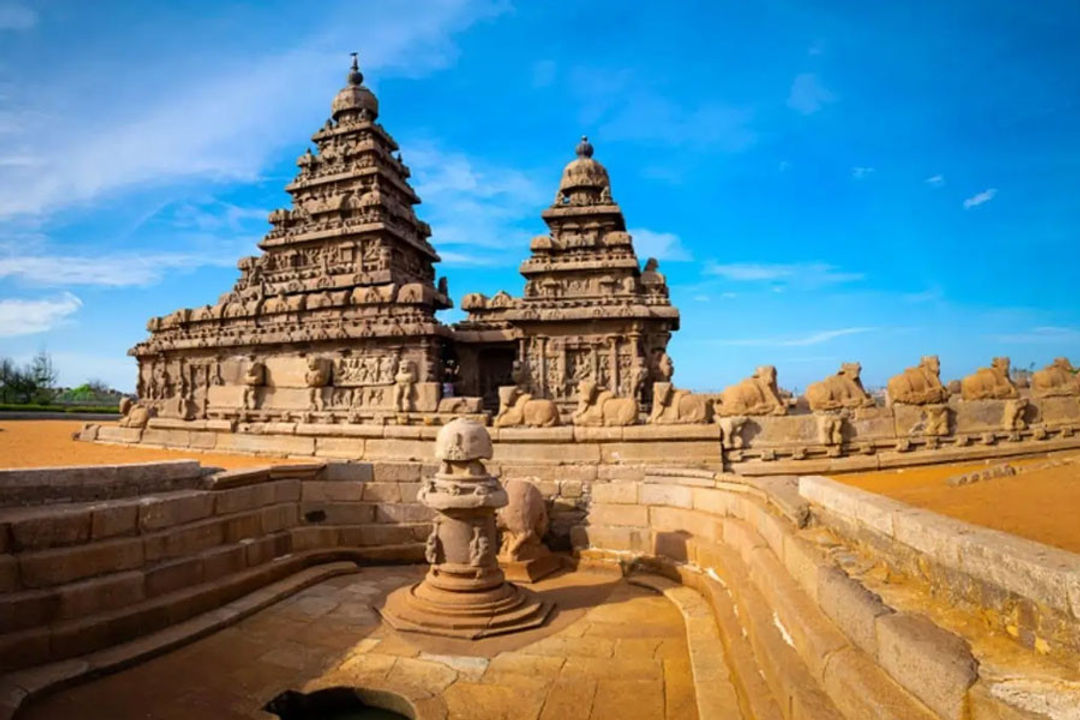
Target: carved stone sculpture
[[523, 523], [919, 385], [518, 408], [404, 379], [831, 428], [465, 593], [678, 407], [1013, 418], [839, 391], [254, 378], [134, 415], [317, 378], [1058, 379], [989, 383], [602, 408], [756, 395]]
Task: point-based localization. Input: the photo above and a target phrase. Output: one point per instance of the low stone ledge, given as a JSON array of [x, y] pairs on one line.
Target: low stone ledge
[[853, 608], [228, 479], [340, 430], [933, 664], [83, 483]]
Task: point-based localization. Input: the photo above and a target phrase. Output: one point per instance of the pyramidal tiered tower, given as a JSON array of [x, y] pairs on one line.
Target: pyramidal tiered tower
[[336, 317], [589, 312]]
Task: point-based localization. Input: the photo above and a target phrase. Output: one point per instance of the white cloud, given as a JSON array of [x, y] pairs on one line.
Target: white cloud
[[27, 317], [815, 274], [816, 338], [659, 245], [543, 73], [475, 204], [14, 16], [979, 198], [808, 95], [110, 270], [861, 173], [219, 126], [935, 180], [626, 110]]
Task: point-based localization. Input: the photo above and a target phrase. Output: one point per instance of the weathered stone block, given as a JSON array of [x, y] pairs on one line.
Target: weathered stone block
[[368, 535], [394, 449], [395, 472], [162, 511], [402, 513], [9, 573], [933, 664], [853, 608], [313, 538], [571, 489], [100, 594], [112, 433], [114, 518], [382, 492], [1029, 569], [861, 689], [319, 490], [667, 519], [266, 444], [351, 472], [222, 561], [689, 452], [802, 563], [286, 491], [238, 527], [669, 495], [715, 502], [326, 513], [173, 575], [184, 540], [626, 515], [49, 527], [64, 565], [617, 491], [349, 448], [244, 498], [279, 517]]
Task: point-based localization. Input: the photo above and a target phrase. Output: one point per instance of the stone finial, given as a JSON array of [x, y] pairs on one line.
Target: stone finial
[[463, 440], [355, 77], [584, 148]]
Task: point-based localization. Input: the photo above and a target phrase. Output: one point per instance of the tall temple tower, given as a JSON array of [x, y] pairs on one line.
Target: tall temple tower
[[589, 312], [335, 319]]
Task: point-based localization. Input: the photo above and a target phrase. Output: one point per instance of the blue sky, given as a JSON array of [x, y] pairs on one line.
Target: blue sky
[[822, 181]]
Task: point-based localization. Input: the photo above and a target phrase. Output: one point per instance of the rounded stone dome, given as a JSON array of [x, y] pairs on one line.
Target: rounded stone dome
[[354, 97], [462, 440], [583, 171]]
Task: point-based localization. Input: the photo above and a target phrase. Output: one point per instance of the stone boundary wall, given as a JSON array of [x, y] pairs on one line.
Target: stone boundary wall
[[795, 624], [1024, 589], [802, 443], [81, 576], [34, 486]]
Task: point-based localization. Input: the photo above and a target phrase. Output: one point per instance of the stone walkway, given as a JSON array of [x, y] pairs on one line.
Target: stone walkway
[[613, 651]]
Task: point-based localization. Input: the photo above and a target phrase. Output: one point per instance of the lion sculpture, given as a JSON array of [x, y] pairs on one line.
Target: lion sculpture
[[756, 395], [1055, 380], [844, 390], [602, 408], [919, 385], [678, 407], [989, 383]]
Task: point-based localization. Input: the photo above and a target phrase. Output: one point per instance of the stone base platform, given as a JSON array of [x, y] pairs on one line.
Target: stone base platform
[[529, 571], [506, 609]]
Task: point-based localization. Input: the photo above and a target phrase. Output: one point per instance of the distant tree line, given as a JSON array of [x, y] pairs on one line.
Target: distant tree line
[[32, 383]]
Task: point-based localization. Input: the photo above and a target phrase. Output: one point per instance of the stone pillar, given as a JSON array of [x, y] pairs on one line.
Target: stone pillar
[[464, 593]]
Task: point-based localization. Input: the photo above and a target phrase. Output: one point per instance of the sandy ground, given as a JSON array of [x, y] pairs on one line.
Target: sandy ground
[[1042, 502], [41, 443]]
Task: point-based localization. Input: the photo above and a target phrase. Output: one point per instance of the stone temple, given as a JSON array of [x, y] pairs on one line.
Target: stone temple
[[522, 515], [335, 321]]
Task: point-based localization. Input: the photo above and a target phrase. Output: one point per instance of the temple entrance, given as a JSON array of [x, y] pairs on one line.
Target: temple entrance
[[495, 367]]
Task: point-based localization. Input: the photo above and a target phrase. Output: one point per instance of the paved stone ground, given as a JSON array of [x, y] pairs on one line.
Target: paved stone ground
[[613, 651]]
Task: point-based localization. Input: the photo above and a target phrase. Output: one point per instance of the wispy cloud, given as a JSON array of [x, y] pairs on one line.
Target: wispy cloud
[[627, 111], [861, 173], [659, 245], [472, 203], [979, 198], [109, 270], [27, 317], [816, 338], [808, 95], [814, 274], [213, 129], [14, 16], [1049, 335], [935, 181]]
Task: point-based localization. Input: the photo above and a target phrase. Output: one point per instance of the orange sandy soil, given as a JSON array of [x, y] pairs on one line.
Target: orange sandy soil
[[42, 443], [1039, 503]]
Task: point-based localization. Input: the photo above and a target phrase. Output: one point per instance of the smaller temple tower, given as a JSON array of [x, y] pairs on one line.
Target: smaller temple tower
[[589, 311]]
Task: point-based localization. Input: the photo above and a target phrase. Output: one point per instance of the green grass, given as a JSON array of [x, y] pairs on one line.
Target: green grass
[[10, 407]]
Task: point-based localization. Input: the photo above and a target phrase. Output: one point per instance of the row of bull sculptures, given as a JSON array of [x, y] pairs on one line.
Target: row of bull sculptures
[[759, 395]]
